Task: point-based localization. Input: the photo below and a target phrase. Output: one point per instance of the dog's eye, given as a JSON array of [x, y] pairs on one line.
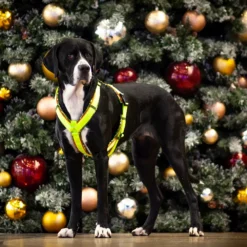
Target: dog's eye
[[71, 56]]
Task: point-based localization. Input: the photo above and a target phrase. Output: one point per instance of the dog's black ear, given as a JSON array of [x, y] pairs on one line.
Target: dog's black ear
[[50, 60], [97, 58]]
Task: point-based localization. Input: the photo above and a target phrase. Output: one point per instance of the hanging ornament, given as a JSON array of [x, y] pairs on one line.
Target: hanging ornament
[[210, 136], [5, 179], [6, 19], [144, 190], [184, 78], [238, 157], [194, 20], [5, 94], [15, 209], [46, 108], [212, 204], [125, 75], [127, 208], [157, 21], [169, 172], [89, 199], [242, 82], [243, 34], [224, 66], [110, 34], [52, 14], [20, 71], [53, 222], [242, 196], [118, 163], [189, 119], [28, 172], [60, 151], [217, 108], [207, 195]]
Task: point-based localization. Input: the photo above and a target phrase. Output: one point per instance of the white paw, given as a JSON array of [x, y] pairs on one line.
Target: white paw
[[101, 232], [139, 232], [66, 233], [194, 232]]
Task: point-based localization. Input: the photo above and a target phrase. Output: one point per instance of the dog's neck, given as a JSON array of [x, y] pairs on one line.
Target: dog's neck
[[74, 99]]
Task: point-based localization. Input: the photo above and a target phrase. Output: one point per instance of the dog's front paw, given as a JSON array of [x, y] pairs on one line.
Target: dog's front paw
[[140, 232], [66, 233], [101, 232], [194, 231]]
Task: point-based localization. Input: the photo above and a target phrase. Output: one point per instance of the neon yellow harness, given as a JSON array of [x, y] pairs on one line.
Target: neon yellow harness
[[75, 127]]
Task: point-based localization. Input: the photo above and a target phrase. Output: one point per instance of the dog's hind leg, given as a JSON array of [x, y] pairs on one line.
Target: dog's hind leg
[[145, 150], [172, 135]]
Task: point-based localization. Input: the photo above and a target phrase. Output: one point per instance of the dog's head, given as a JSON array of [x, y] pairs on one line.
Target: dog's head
[[73, 61]]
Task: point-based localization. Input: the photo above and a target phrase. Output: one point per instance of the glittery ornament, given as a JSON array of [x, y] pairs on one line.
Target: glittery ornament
[[15, 209], [127, 208], [207, 195]]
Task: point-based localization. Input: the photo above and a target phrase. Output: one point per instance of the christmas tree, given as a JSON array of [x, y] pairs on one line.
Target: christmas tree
[[196, 50]]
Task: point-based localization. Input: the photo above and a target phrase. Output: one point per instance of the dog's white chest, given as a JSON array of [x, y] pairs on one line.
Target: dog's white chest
[[73, 98]]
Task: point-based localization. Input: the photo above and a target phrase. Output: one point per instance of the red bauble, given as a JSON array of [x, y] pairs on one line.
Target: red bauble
[[28, 172], [237, 157], [125, 75], [184, 78]]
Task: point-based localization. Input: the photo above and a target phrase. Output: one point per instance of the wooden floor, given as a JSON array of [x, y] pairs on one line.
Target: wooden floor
[[126, 240]]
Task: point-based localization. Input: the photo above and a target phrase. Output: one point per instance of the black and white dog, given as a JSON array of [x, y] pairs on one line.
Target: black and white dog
[[154, 121]]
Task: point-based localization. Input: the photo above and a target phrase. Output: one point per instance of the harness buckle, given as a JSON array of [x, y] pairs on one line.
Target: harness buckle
[[121, 95]]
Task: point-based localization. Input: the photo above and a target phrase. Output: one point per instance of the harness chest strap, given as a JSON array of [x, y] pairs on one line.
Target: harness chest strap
[[75, 127]]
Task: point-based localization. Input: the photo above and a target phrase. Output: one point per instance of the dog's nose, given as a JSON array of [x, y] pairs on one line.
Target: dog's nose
[[83, 67]]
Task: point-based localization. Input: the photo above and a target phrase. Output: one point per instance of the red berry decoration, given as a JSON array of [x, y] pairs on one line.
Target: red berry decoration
[[28, 172], [237, 157], [184, 78], [125, 75]]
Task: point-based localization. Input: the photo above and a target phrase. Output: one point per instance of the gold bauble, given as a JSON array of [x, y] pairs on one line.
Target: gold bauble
[[15, 209], [188, 119], [89, 199], [48, 74], [20, 71], [195, 20], [52, 14], [242, 196], [46, 108], [224, 66], [207, 195], [60, 151], [118, 163], [53, 222], [243, 34], [218, 109], [169, 172], [210, 136], [156, 21], [242, 82], [5, 19], [5, 179], [127, 208]]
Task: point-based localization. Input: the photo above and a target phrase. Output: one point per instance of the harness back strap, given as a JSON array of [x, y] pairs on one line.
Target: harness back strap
[[75, 127]]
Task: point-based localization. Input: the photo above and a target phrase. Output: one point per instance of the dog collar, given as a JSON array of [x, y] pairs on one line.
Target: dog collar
[[75, 127]]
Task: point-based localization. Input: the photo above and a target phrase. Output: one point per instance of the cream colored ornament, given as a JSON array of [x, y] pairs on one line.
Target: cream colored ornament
[[110, 34], [218, 109], [207, 195], [52, 14], [89, 199], [195, 20], [127, 208], [20, 71], [157, 21], [118, 163]]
